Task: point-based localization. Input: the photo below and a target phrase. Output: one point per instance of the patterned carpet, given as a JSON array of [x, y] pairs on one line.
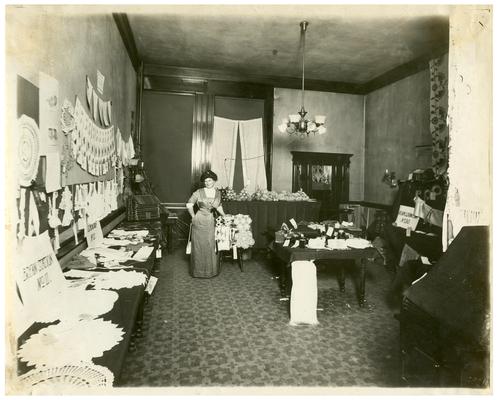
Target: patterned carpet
[[233, 330]]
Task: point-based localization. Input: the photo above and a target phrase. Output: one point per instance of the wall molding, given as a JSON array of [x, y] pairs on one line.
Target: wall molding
[[197, 77], [186, 73], [126, 33]]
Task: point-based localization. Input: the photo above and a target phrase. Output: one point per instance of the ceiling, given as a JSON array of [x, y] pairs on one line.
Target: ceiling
[[353, 44]]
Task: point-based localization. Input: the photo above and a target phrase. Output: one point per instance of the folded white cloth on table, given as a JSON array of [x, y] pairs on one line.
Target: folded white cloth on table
[[143, 253], [304, 294]]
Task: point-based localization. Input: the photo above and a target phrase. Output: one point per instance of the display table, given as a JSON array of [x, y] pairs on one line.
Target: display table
[[287, 255], [127, 312], [267, 216]]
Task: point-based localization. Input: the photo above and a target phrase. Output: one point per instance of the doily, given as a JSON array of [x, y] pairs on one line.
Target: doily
[[71, 376], [67, 117], [70, 342], [77, 304], [120, 279], [28, 151]]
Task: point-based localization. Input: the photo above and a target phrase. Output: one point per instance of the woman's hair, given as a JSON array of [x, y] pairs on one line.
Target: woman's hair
[[209, 174]]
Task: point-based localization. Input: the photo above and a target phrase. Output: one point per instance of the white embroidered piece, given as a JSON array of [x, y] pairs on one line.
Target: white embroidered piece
[[120, 279], [77, 304], [66, 205], [304, 293], [58, 380], [28, 150], [34, 218], [94, 148], [143, 253], [70, 342]]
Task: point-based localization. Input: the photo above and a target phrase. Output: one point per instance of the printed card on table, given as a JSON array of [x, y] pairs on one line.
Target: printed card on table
[[94, 235], [38, 273]]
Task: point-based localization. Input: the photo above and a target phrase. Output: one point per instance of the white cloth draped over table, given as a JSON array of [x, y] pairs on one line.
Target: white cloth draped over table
[[224, 151], [253, 156], [304, 293]]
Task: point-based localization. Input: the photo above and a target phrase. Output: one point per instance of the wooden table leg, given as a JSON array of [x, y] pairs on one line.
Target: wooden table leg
[[241, 261], [342, 280], [363, 268]]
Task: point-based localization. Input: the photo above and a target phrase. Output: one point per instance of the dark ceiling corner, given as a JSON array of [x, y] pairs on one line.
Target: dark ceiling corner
[[403, 71], [124, 28]]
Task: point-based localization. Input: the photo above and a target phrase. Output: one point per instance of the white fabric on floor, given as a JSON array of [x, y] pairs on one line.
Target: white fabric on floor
[[223, 150], [253, 159], [304, 294]]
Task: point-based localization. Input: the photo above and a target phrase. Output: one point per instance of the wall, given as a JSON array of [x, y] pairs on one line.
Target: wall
[[345, 134], [68, 46], [396, 120]]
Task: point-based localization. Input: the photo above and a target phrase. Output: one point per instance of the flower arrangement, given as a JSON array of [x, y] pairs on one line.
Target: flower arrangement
[[228, 194], [234, 231]]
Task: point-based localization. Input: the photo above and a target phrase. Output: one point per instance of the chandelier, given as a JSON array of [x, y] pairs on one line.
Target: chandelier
[[297, 124]]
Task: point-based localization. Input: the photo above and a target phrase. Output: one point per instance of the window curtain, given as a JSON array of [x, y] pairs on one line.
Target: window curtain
[[438, 68], [224, 147], [202, 135], [253, 154]]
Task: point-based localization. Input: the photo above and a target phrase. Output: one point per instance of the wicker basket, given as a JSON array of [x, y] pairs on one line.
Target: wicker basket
[[143, 207]]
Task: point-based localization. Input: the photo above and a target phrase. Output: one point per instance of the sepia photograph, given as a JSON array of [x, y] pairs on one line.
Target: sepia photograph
[[275, 199]]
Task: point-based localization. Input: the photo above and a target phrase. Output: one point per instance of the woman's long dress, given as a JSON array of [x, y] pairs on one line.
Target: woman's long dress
[[203, 258]]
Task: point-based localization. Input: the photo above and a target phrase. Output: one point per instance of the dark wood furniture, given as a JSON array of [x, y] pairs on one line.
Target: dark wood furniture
[[322, 176], [445, 318], [286, 255]]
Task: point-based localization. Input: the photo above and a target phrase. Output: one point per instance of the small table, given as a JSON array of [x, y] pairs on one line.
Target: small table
[[288, 254]]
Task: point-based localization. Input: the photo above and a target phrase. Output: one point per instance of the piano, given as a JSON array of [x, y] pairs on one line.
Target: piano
[[445, 318]]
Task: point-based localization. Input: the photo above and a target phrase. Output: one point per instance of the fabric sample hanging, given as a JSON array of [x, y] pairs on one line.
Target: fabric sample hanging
[[223, 150], [304, 293], [253, 155]]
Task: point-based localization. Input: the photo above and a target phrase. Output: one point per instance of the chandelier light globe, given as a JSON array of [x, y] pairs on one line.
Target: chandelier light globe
[[297, 124]]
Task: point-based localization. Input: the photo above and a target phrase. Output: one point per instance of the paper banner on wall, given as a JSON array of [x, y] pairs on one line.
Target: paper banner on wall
[[38, 273], [49, 113], [53, 173], [406, 218], [100, 82], [94, 235]]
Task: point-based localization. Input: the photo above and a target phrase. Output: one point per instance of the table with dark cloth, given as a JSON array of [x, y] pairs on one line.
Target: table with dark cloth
[[127, 313], [267, 216], [287, 255]]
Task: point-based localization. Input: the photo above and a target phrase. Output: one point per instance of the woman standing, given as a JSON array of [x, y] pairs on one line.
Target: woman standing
[[204, 259]]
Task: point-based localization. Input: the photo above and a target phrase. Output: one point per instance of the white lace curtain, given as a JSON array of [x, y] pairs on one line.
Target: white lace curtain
[[224, 150]]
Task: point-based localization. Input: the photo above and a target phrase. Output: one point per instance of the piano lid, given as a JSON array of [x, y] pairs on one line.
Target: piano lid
[[456, 291]]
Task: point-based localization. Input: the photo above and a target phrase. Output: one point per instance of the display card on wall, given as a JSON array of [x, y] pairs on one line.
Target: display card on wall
[[49, 113]]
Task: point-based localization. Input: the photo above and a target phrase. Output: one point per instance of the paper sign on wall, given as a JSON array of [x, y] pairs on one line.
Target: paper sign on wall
[[38, 273], [406, 218], [93, 234], [49, 113]]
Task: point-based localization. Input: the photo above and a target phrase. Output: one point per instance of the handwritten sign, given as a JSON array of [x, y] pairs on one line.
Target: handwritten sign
[[94, 235], [38, 273], [406, 218]]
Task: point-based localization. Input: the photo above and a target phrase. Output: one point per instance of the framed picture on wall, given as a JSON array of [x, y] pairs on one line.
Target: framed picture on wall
[[321, 177]]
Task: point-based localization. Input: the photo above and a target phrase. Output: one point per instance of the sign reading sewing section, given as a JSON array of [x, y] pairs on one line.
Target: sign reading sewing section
[[406, 218], [38, 273]]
